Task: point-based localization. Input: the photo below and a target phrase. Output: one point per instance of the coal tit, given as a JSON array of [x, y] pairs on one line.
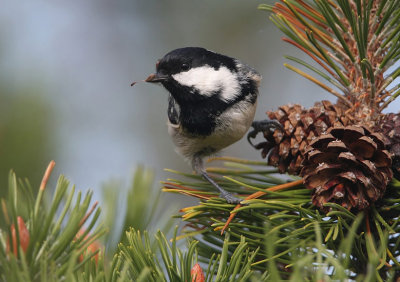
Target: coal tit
[[211, 105]]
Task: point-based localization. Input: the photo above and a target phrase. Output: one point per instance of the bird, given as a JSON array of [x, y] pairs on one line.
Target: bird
[[211, 105]]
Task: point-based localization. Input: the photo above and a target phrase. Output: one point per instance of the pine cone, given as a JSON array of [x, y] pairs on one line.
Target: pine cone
[[285, 150], [389, 126], [348, 166]]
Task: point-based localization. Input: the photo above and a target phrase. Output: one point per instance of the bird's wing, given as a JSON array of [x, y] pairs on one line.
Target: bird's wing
[[173, 111]]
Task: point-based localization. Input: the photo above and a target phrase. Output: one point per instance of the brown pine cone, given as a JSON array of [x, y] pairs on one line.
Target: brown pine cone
[[348, 166], [285, 150]]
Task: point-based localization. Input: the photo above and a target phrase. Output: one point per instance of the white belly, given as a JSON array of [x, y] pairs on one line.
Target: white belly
[[231, 126]]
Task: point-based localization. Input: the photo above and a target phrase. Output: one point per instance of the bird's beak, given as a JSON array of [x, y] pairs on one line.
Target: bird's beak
[[155, 77]]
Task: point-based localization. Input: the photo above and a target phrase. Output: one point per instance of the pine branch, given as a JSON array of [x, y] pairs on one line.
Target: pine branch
[[355, 42], [293, 219], [298, 242]]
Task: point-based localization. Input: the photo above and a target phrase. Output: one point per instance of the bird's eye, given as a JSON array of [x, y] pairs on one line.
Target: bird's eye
[[185, 67]]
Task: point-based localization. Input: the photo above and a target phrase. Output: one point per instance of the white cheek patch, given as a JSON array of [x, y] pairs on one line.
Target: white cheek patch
[[209, 81]]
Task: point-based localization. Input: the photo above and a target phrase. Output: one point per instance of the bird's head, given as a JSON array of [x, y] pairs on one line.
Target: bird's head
[[194, 74]]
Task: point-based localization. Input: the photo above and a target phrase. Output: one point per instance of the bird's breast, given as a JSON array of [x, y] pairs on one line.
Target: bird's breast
[[230, 126]]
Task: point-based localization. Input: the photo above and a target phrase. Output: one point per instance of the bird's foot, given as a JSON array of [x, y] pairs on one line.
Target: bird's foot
[[266, 125], [230, 199]]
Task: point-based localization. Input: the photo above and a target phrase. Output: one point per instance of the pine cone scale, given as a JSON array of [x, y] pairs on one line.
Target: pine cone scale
[[389, 126], [337, 146], [364, 147]]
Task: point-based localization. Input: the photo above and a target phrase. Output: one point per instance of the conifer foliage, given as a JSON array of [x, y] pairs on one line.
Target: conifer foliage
[[334, 216], [353, 48]]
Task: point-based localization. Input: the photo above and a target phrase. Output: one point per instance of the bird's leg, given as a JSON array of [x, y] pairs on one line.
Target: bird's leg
[[198, 166], [266, 125], [223, 193]]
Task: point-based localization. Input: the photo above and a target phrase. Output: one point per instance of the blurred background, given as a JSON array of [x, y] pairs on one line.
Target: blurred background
[[66, 69]]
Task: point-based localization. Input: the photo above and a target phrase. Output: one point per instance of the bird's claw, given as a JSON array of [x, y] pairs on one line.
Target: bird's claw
[[263, 126], [252, 135], [230, 199]]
